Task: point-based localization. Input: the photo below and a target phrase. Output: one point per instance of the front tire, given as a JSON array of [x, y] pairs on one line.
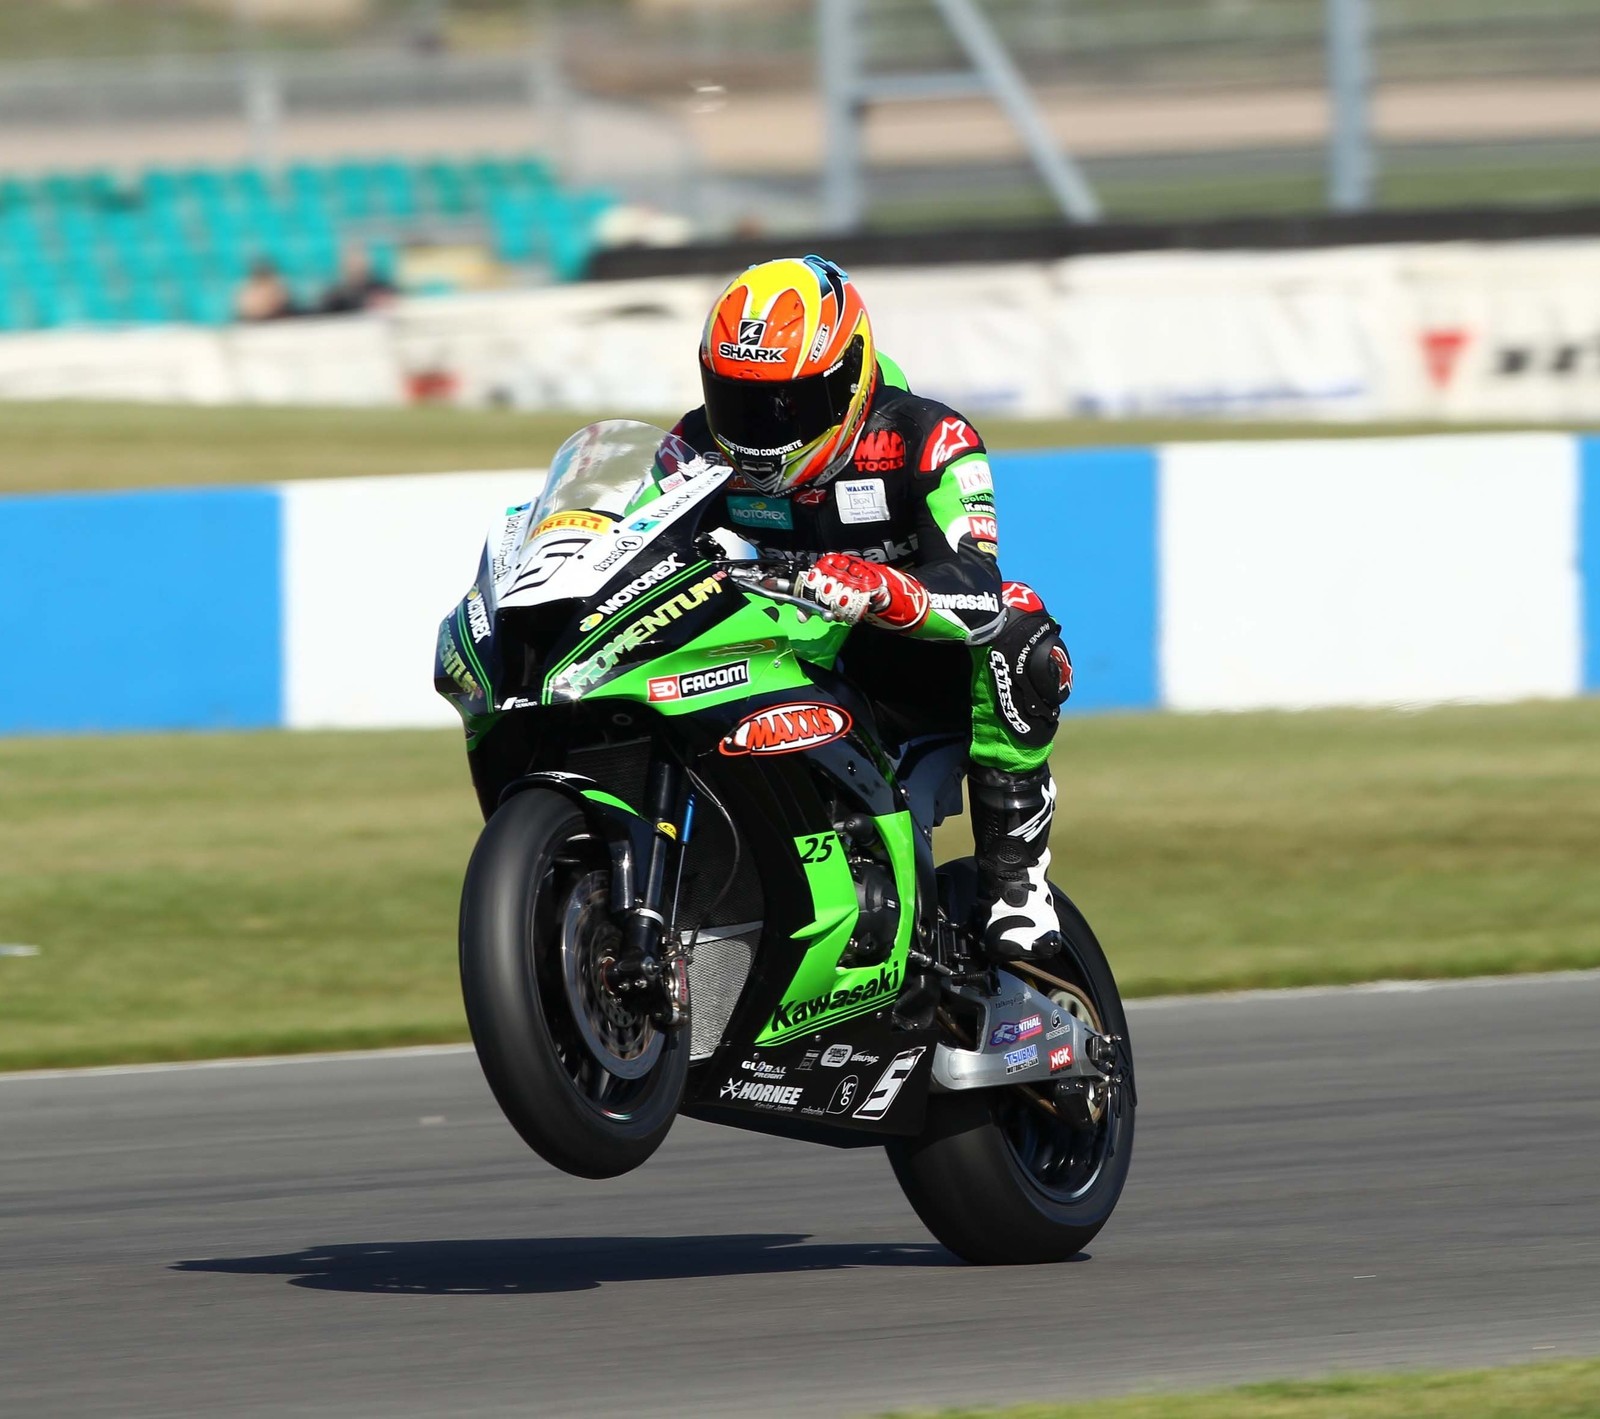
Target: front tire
[[543, 1026], [993, 1176]]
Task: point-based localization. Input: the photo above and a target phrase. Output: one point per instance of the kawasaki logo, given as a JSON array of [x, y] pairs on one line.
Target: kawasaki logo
[[598, 665], [786, 729], [966, 601], [800, 1012]]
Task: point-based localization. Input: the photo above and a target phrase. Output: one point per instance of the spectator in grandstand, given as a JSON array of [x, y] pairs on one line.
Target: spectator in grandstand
[[359, 287], [264, 295]]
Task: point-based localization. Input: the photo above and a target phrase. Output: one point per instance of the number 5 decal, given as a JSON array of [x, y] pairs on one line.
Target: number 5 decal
[[887, 1089]]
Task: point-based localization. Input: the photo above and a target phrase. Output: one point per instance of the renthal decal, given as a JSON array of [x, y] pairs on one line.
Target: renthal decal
[[884, 986], [1019, 596], [952, 438], [966, 601], [620, 548], [700, 682], [580, 521], [787, 729], [1002, 689], [974, 478], [598, 665], [752, 1091], [477, 616], [889, 1084], [640, 584]]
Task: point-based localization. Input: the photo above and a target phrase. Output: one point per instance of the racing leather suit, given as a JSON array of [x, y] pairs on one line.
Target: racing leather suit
[[918, 496]]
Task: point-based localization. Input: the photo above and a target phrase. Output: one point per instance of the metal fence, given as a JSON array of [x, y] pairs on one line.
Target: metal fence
[[712, 107]]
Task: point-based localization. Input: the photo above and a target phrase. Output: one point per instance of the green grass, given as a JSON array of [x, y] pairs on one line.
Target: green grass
[[218, 894], [1563, 1390], [59, 446]]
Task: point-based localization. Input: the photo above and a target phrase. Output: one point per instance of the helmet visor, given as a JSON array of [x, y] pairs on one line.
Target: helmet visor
[[767, 421]]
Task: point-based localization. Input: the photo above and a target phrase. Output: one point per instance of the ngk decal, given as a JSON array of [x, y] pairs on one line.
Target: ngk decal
[[786, 729]]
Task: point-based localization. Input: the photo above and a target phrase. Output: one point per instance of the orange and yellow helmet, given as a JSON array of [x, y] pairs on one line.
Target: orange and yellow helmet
[[787, 363]]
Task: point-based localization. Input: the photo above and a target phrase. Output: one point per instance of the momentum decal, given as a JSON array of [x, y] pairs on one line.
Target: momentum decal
[[635, 634], [786, 729]]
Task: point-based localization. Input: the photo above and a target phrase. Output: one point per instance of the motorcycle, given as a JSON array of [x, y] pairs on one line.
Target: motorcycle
[[706, 882]]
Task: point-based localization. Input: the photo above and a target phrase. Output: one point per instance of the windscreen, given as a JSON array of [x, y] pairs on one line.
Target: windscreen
[[602, 467]]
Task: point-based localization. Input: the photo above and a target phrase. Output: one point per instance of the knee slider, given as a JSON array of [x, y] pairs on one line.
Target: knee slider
[[1031, 673]]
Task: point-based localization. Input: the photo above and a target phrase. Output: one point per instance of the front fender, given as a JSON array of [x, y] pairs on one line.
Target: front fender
[[628, 834]]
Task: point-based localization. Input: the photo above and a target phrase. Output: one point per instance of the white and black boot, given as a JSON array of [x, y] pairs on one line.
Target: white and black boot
[[1011, 816]]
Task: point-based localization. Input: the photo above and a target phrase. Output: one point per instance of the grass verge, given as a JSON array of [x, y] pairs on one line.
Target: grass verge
[[205, 895], [1564, 1390], [71, 446]]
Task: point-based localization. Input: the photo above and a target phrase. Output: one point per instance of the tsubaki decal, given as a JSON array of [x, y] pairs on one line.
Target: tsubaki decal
[[787, 729]]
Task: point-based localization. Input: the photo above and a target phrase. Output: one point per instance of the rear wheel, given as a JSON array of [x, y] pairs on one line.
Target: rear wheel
[[590, 1084], [1004, 1177]]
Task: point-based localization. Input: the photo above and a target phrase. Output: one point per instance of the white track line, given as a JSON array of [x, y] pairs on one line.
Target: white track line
[[1150, 1002]]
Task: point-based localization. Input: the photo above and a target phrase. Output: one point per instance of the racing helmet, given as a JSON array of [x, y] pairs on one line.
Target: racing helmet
[[787, 363]]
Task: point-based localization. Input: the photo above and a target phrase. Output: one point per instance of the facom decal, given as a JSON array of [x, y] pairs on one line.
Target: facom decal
[[887, 1089], [604, 660], [787, 729], [699, 682], [1060, 1058], [580, 521], [477, 616], [792, 1013], [1019, 1059]]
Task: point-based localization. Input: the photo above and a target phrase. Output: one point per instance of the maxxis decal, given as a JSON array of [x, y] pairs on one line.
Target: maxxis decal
[[787, 729]]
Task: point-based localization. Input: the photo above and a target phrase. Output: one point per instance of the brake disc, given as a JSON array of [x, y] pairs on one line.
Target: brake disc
[[618, 1034]]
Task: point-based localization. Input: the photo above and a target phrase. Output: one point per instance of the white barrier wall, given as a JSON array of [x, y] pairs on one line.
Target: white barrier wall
[[1302, 574], [370, 567], [1463, 331]]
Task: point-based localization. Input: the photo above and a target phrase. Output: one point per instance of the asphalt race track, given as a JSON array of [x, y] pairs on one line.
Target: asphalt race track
[[1322, 1181]]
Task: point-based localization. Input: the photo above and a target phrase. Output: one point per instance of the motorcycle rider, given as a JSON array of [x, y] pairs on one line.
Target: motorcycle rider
[[833, 453]]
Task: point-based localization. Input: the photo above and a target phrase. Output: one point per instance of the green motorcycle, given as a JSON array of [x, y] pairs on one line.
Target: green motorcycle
[[706, 882]]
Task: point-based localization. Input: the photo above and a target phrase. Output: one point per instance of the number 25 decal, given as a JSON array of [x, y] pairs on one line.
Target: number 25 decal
[[816, 849]]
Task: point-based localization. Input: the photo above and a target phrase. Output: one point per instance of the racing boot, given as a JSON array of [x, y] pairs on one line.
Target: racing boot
[[1011, 814]]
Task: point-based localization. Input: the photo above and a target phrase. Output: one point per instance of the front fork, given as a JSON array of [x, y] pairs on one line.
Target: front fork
[[650, 964]]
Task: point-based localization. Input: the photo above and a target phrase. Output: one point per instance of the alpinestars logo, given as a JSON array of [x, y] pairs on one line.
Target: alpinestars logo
[[786, 729], [881, 451], [1002, 690], [749, 348], [952, 438]]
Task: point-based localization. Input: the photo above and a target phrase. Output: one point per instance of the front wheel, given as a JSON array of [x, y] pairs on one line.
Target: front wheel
[[998, 1175], [590, 1084]]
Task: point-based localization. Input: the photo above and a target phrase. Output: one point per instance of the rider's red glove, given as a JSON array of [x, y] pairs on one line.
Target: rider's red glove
[[893, 599]]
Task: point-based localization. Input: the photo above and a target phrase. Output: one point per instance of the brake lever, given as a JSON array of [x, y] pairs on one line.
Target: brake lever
[[759, 581]]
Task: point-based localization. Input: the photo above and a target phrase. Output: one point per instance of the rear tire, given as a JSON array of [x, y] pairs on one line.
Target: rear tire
[[534, 860], [992, 1177]]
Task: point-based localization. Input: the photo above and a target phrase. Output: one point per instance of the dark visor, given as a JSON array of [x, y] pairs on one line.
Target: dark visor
[[755, 418]]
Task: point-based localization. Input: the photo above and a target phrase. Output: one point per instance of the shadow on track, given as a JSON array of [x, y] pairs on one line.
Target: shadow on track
[[522, 1266]]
